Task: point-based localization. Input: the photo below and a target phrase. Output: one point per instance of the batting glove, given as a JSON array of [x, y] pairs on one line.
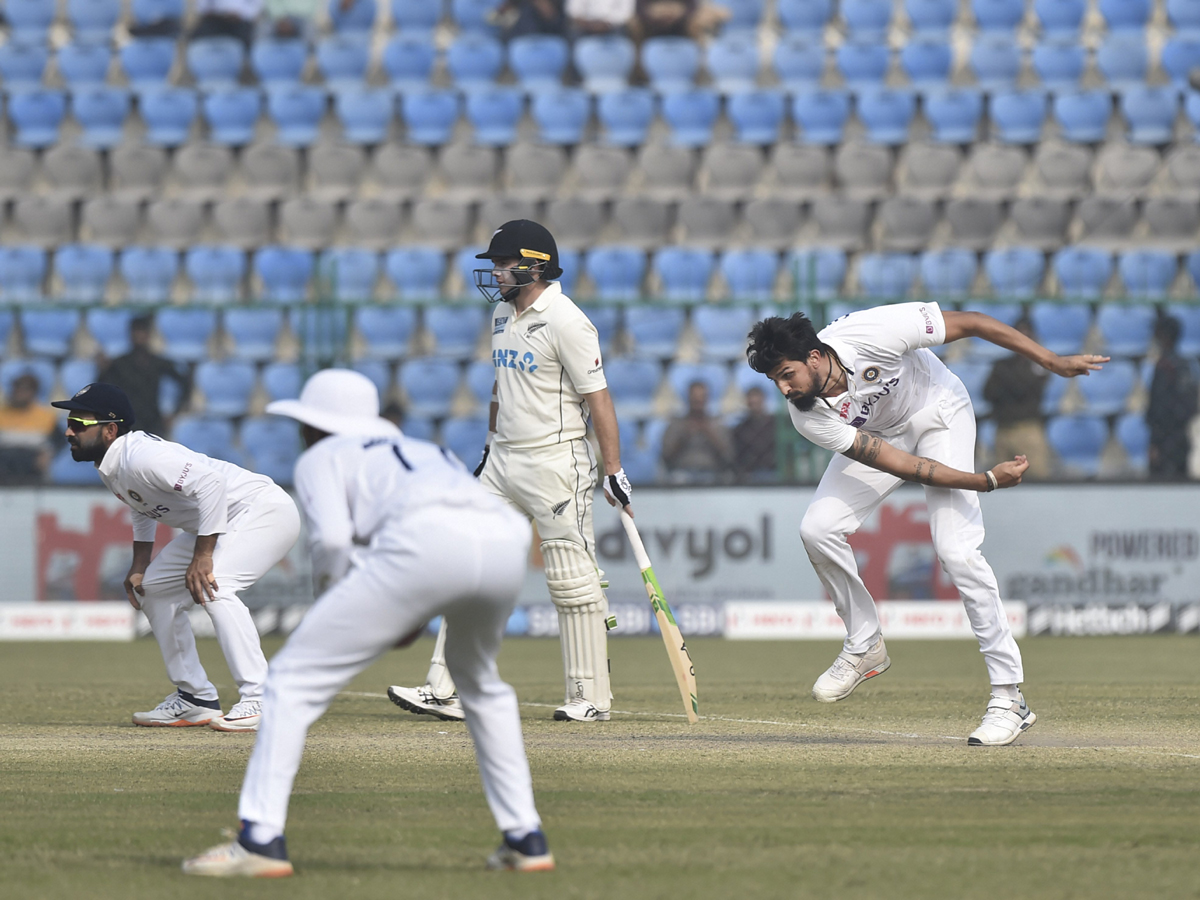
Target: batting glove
[[618, 488]]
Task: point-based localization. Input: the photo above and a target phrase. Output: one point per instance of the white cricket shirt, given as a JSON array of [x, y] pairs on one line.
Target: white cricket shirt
[[891, 373], [162, 481], [546, 359], [351, 488]]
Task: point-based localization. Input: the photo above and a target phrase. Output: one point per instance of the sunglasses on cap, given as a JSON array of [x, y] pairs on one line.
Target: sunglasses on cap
[[76, 422]]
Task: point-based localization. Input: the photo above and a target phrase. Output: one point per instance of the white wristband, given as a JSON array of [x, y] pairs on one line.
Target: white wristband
[[992, 482]]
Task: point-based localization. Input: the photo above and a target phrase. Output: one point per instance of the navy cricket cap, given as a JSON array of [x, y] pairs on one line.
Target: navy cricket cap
[[525, 240], [105, 402]]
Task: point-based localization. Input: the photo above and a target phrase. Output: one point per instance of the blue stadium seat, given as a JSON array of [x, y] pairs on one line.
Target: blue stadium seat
[[691, 115], [732, 61], [297, 111], [22, 273], [473, 15], [655, 330], [278, 61], [1127, 329], [954, 114], [1123, 59], [232, 114], [973, 373], [465, 437], [1184, 16], [416, 15], [996, 61], [1008, 313], [807, 17], [1180, 55], [429, 116], [749, 274], [208, 434], [886, 276], [1192, 263], [817, 272], [29, 20], [419, 427], [474, 60], [465, 264], [1015, 272], [74, 374], [365, 114], [83, 271], [1147, 274], [1106, 392], [147, 62], [863, 63], [148, 273], [616, 272], [282, 381], [41, 369], [744, 15], [683, 272], [110, 328], [606, 319], [931, 17], [349, 273], [1052, 397], [715, 376], [561, 114], [886, 113], [1125, 15], [386, 330], [216, 273], [1061, 18], [480, 378], [757, 115], [867, 20], [92, 21], [273, 444], [48, 332], [998, 15], [23, 65], [539, 60], [408, 61], [416, 272], [84, 64], [146, 12], [1133, 434], [1082, 272], [226, 386], [604, 63], [358, 19], [455, 329], [378, 372], [799, 61], [1151, 112], [927, 61], [102, 112], [37, 114], [722, 331], [185, 332], [342, 60], [1018, 115], [670, 62], [1059, 63], [285, 273], [494, 113], [64, 470], [570, 261], [254, 331], [1083, 115], [633, 384], [626, 114], [430, 385], [948, 274], [168, 114], [1189, 337], [215, 61], [1061, 327], [821, 115]]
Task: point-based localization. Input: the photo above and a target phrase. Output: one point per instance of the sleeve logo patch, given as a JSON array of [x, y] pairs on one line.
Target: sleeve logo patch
[[498, 324], [858, 420], [136, 496], [928, 320], [871, 374], [183, 477]]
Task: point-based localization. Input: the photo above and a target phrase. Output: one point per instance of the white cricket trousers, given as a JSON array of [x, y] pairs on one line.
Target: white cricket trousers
[[464, 564], [849, 492], [257, 539]]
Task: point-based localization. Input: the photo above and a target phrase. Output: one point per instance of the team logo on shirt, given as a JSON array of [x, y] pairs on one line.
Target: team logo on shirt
[[536, 326], [514, 359], [498, 324], [559, 508], [136, 496], [183, 477], [871, 374], [844, 412], [928, 320]]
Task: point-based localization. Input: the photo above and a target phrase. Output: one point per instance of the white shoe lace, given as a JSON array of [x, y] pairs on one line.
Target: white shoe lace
[[841, 668], [173, 704], [244, 709]]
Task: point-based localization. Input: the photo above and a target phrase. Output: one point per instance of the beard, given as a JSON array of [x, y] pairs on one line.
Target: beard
[[90, 453], [804, 401]]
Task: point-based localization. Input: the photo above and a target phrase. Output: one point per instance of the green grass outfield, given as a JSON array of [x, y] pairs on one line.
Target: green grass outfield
[[773, 796]]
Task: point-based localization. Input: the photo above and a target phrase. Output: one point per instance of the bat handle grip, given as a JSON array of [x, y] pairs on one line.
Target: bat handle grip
[[635, 541]]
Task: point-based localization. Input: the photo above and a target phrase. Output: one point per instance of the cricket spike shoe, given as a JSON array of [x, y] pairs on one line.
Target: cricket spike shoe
[[244, 716], [1003, 721], [179, 710], [529, 854], [850, 670], [424, 702], [580, 711], [242, 858]]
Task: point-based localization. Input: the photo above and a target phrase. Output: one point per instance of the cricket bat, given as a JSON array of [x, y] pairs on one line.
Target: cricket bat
[[677, 651]]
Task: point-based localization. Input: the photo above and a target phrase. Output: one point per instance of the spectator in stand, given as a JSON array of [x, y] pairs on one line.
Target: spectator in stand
[[678, 18], [1014, 388], [1172, 405], [589, 18], [521, 17], [28, 430], [754, 440], [696, 447], [296, 18], [139, 373], [226, 18]]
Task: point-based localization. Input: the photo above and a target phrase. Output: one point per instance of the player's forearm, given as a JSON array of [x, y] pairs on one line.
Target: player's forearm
[[206, 545], [973, 324], [142, 551], [877, 453], [493, 414], [604, 421]]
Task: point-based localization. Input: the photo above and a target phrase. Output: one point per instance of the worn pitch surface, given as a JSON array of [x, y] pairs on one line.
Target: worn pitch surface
[[770, 795]]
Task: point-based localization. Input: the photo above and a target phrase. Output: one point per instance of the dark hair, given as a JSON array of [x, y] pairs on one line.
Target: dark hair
[[142, 323], [1166, 330], [776, 339]]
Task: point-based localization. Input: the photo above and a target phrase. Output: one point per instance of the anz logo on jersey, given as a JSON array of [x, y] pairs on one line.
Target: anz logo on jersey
[[514, 359]]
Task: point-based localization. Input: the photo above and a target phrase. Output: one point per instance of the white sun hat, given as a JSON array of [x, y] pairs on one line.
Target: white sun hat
[[337, 401]]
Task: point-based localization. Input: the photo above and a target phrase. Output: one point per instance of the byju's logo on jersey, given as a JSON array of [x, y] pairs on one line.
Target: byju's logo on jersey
[[498, 324], [514, 359]]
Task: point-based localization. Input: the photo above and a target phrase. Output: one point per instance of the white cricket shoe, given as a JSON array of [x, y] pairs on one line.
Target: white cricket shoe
[[1002, 722], [850, 670], [530, 854], [580, 711], [244, 716], [424, 702], [178, 710], [232, 859]]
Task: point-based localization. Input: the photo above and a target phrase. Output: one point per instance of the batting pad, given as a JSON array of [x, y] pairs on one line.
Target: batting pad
[[575, 590]]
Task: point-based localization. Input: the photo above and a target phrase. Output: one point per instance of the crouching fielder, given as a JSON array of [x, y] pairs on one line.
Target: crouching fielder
[[399, 533]]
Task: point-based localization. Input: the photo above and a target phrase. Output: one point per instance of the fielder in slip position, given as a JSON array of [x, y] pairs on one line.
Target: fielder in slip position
[[399, 532], [867, 387], [235, 526], [549, 379]]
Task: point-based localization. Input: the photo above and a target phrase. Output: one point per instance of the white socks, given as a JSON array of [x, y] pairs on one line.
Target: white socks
[[1007, 692]]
